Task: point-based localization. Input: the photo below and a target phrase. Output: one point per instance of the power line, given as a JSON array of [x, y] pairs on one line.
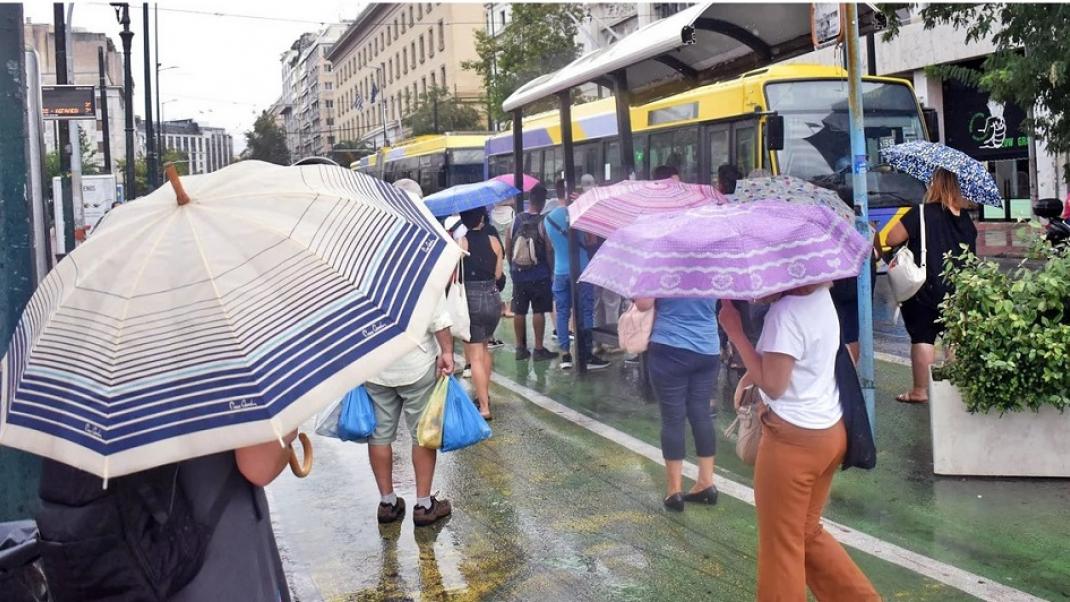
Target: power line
[[208, 13]]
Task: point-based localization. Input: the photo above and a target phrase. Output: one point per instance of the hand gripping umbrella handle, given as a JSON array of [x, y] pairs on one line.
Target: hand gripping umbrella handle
[[299, 469]]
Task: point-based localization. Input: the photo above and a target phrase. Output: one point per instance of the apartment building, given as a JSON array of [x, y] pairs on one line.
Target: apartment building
[[208, 148], [391, 55]]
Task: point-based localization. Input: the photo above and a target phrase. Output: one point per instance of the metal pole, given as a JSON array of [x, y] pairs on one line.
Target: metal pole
[[382, 101], [19, 472], [861, 202], [565, 100], [123, 13], [159, 116], [518, 158], [104, 111], [77, 199], [624, 123], [63, 139], [150, 135]]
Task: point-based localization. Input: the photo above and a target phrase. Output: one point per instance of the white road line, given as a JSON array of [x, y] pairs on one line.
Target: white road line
[[970, 583], [891, 359]]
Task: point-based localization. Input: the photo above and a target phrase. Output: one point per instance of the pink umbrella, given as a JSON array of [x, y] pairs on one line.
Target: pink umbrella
[[529, 182], [603, 210], [737, 251]]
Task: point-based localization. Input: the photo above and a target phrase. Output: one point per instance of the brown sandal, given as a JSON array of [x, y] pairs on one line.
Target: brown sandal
[[908, 398]]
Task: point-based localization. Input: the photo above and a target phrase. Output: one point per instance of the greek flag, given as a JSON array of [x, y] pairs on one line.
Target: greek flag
[[375, 92], [358, 104]]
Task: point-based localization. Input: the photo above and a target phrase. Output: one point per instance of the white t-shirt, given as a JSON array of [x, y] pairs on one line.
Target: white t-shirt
[[807, 328], [412, 366]]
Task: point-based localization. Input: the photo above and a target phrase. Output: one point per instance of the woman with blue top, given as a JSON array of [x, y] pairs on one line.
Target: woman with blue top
[[683, 358]]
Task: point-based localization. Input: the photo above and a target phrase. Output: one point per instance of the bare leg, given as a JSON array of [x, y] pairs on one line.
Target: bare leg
[[382, 461], [423, 464], [480, 375], [538, 323], [674, 477], [705, 475], [520, 329], [921, 357]]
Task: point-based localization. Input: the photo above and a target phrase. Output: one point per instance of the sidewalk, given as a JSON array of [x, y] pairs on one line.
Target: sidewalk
[[1004, 239]]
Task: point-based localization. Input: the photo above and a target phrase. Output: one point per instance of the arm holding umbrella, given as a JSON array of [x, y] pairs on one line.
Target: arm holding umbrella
[[771, 372]]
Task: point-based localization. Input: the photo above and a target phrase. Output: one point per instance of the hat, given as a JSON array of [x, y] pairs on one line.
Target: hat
[[410, 186]]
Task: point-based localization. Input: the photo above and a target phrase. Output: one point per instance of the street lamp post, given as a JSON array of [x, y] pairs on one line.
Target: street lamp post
[[150, 136], [122, 14]]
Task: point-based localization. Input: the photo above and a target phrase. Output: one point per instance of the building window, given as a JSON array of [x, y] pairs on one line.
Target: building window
[[395, 29], [419, 11], [412, 54], [502, 19], [328, 85], [407, 101], [390, 69], [443, 73], [441, 34], [428, 9], [405, 59], [423, 85], [411, 20], [431, 41], [421, 49], [433, 81], [397, 65]]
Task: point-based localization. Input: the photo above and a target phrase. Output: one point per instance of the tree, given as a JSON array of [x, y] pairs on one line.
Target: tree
[[1031, 64], [141, 171], [88, 154], [348, 151], [540, 39], [438, 111], [266, 141]]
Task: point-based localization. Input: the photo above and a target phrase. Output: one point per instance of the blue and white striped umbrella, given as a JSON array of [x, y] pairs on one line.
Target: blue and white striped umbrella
[[469, 196], [180, 331], [920, 159]]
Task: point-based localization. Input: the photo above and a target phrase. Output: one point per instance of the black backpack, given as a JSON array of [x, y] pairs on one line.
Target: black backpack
[[137, 540]]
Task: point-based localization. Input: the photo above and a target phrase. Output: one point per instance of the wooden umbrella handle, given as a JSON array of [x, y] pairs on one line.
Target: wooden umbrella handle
[[172, 176], [301, 470]]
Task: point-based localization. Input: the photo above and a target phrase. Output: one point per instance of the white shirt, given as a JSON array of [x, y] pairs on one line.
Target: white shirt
[[807, 328], [412, 366]]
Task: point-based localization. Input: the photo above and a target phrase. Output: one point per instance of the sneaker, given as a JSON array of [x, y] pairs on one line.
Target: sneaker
[[597, 363], [467, 372], [522, 354], [495, 343], [391, 513], [541, 355], [440, 509], [566, 361]]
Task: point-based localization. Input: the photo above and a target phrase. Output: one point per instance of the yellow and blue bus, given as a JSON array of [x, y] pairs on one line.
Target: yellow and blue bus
[[699, 130], [436, 161]]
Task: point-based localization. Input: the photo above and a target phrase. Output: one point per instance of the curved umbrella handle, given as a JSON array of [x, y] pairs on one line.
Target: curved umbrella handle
[[299, 469]]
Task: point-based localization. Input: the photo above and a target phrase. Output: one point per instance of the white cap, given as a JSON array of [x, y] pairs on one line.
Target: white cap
[[410, 186]]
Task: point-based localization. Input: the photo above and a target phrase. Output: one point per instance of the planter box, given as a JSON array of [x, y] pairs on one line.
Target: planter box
[[1021, 444]]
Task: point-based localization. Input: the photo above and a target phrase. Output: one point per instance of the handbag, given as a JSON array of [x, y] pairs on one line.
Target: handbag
[[861, 449], [457, 306], [904, 275], [746, 429], [633, 329]]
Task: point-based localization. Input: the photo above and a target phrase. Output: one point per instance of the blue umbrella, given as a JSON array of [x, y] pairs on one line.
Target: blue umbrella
[[469, 196], [920, 159]]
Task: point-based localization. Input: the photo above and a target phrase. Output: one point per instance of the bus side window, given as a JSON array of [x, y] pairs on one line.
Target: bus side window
[[745, 147], [720, 150]]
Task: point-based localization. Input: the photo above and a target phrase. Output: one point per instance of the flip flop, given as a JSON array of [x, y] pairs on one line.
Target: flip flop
[[907, 398]]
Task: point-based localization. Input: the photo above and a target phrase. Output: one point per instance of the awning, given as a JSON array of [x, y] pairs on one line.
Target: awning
[[705, 42]]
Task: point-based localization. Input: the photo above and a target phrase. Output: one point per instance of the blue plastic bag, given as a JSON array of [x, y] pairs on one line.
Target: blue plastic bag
[[356, 422], [461, 425]]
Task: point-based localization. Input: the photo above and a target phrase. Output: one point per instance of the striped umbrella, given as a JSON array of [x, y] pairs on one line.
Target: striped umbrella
[[603, 210], [468, 196], [180, 330]]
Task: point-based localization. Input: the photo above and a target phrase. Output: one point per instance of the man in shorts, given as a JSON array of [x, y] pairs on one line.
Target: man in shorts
[[527, 251]]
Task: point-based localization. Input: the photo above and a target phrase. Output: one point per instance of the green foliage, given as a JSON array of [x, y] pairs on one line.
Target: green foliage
[[348, 151], [88, 153], [964, 75], [540, 39], [1031, 65], [437, 111], [266, 141], [141, 170], [1009, 332]]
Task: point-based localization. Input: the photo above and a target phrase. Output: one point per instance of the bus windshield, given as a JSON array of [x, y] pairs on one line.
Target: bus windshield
[[817, 144], [465, 166]]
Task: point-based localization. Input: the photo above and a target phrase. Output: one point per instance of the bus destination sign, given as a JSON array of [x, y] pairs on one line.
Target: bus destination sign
[[68, 102]]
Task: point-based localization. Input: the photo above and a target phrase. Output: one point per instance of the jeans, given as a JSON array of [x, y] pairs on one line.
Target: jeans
[[683, 383], [563, 301]]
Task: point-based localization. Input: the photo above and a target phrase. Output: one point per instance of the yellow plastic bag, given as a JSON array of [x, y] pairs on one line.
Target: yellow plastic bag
[[429, 429]]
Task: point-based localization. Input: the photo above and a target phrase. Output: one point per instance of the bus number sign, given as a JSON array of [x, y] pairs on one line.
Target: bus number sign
[[68, 102]]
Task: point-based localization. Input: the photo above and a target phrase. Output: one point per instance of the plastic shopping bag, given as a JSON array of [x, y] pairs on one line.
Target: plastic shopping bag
[[462, 425], [327, 420], [356, 422], [429, 429]]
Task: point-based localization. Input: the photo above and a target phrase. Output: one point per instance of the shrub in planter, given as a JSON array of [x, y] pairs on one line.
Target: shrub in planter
[[1010, 332]]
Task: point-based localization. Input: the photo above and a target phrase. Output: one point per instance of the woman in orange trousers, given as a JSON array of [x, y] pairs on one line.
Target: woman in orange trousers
[[802, 446]]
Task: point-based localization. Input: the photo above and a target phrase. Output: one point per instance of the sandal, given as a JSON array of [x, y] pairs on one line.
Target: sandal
[[908, 398], [486, 417]]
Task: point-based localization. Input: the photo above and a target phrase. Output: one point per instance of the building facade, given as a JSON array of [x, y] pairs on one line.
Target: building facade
[[389, 58], [208, 148], [41, 38]]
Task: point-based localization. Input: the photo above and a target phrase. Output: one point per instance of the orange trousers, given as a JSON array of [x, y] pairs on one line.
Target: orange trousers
[[792, 477]]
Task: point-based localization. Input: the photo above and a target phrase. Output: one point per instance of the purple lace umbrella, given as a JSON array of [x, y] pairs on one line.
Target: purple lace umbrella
[[739, 251], [604, 209]]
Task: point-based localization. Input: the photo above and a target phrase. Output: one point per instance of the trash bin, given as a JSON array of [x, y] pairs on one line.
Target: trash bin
[[21, 576]]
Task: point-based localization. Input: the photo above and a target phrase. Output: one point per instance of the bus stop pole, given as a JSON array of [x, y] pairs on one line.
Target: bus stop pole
[[861, 202], [565, 99], [623, 97], [518, 157]]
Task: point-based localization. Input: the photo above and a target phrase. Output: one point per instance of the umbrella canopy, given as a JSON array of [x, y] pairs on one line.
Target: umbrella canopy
[[469, 196], [920, 159], [528, 181], [603, 210], [739, 251], [177, 331], [792, 190]]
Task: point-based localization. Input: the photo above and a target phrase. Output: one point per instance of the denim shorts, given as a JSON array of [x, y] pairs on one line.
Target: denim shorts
[[484, 309]]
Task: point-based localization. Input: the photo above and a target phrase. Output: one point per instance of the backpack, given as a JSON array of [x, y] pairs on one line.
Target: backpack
[[526, 243], [138, 540]]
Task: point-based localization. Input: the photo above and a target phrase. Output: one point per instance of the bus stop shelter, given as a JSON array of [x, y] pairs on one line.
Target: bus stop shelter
[[702, 44]]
